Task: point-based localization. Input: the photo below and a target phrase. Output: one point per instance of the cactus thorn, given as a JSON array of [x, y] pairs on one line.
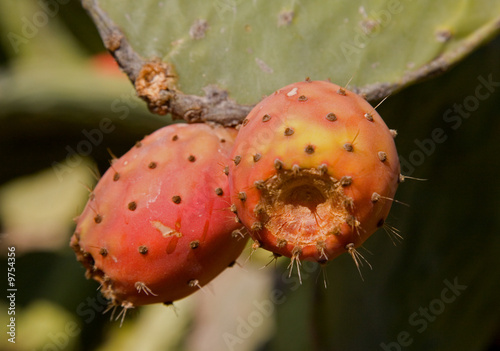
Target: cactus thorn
[[357, 257]]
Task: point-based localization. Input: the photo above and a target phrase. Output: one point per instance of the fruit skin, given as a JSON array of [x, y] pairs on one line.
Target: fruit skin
[[157, 227], [314, 171]]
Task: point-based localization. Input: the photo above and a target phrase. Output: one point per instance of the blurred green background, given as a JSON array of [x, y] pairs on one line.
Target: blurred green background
[[56, 88]]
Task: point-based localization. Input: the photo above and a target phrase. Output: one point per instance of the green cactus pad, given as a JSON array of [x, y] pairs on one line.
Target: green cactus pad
[[252, 48]]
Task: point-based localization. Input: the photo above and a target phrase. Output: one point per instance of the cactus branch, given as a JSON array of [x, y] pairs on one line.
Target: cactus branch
[[155, 81]]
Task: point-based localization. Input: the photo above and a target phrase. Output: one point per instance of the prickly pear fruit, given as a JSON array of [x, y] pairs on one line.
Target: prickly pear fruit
[[314, 171], [157, 227]]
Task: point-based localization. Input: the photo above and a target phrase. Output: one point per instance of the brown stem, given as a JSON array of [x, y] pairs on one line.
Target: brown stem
[[155, 81], [114, 40]]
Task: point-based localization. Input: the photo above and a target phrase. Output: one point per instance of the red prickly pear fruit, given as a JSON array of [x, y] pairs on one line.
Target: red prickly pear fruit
[[158, 227], [314, 170]]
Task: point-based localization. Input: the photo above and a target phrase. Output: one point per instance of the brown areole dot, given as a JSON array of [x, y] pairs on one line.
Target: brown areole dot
[[219, 191], [256, 226], [233, 208], [242, 196], [349, 203], [323, 169], [193, 282], [278, 164], [342, 92], [320, 244], [346, 180], [98, 218], [309, 149], [266, 118], [245, 121], [335, 231], [132, 206], [152, 165], [191, 158], [380, 223], [375, 197], [369, 116], [289, 131], [116, 176], [256, 244], [223, 140], [302, 98], [237, 160], [322, 261], [103, 252], [331, 117], [138, 144], [143, 249], [320, 247], [280, 243], [237, 234], [194, 244], [297, 251], [175, 137], [349, 246], [259, 184], [176, 199], [351, 220], [258, 209], [226, 170], [89, 258], [348, 147], [257, 157], [382, 156]]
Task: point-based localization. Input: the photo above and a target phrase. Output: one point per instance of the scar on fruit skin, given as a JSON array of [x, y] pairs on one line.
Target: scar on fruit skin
[[165, 230]]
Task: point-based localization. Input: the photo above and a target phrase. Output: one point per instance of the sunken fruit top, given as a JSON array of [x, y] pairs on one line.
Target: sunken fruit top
[[314, 171]]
